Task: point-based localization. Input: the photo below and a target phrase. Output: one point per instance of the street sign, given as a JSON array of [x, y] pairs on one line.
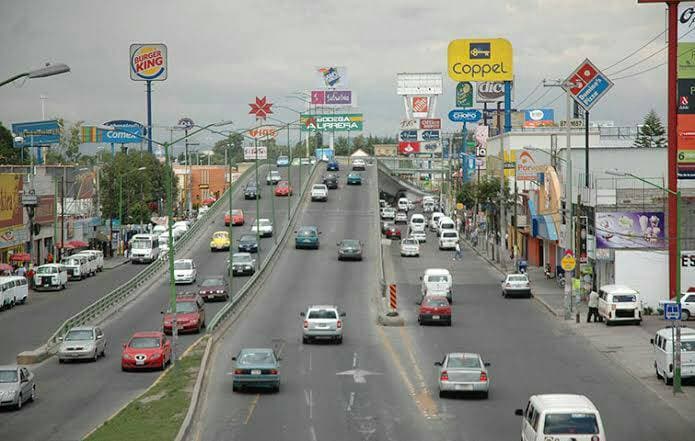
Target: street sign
[[186, 123], [590, 84], [672, 311], [568, 262], [465, 115], [250, 153], [36, 133]]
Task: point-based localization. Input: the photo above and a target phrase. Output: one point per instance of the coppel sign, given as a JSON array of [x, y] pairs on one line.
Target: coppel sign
[[480, 60], [148, 62], [465, 115]]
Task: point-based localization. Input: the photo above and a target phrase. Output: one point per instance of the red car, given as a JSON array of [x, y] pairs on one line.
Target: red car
[[146, 350], [434, 309], [237, 217], [392, 232], [283, 189], [190, 315]]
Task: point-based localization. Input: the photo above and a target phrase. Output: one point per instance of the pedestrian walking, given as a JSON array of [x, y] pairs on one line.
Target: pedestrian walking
[[593, 307], [458, 255], [21, 271]]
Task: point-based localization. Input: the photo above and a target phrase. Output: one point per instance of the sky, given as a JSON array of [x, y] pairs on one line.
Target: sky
[[222, 54]]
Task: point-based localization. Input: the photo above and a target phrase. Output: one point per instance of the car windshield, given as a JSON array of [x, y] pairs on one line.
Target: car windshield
[[70, 262], [624, 298], [308, 232], [247, 238], [182, 265], [283, 158], [185, 307], [8, 376], [242, 258], [350, 243], [464, 362], [220, 235], [141, 244], [436, 303], [570, 423], [322, 314], [212, 282], [46, 270], [438, 279], [144, 342], [252, 358], [519, 278], [83, 334]]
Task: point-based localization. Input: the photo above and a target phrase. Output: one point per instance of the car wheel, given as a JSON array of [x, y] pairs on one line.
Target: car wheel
[[19, 402], [486, 394], [95, 358], [276, 389], [235, 388], [197, 330], [442, 394], [61, 361], [658, 375], [668, 381], [685, 315], [339, 340], [33, 393]]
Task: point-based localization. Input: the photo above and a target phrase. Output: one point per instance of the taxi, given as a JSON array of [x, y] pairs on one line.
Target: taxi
[[220, 241]]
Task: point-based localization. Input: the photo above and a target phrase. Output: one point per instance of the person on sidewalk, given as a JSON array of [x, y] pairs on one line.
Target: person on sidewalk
[[593, 307], [458, 255]]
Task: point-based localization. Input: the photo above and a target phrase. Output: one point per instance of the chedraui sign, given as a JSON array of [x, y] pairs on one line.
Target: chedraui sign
[[480, 60], [339, 122]]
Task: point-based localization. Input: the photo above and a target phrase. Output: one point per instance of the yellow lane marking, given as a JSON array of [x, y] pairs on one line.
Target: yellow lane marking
[[251, 409]]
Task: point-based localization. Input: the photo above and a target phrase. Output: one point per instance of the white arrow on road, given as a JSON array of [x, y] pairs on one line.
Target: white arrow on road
[[358, 374]]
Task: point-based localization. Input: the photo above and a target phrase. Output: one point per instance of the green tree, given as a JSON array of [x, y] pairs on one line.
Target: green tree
[[652, 133], [70, 140], [8, 153]]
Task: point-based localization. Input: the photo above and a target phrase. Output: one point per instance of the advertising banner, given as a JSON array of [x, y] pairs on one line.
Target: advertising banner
[[464, 94], [686, 146], [686, 60], [526, 167], [408, 148], [480, 60], [428, 135], [465, 115], [480, 136], [410, 124], [430, 124], [686, 96], [126, 132], [331, 98], [11, 237], [419, 83], [686, 23], [250, 153], [630, 229], [38, 132], [590, 84], [489, 92], [434, 147], [263, 132], [148, 62], [10, 200], [339, 122], [420, 106], [539, 117], [408, 135], [332, 76], [385, 149]]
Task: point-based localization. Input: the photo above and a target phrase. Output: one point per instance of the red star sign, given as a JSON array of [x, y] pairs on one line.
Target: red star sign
[[261, 108]]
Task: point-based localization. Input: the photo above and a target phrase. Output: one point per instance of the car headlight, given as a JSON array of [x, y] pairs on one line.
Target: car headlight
[[127, 356], [155, 356]]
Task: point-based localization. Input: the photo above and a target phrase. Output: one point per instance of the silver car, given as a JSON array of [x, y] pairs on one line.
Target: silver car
[[410, 247], [16, 386], [322, 322], [516, 285], [463, 372], [82, 343]]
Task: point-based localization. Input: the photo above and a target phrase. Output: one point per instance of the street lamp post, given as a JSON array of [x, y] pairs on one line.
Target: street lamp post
[[677, 387], [47, 71]]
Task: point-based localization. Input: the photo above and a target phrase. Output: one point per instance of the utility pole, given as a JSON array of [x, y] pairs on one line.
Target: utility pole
[[62, 213]]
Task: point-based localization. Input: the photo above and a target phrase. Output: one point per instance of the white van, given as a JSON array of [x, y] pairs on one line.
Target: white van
[[445, 223], [144, 248], [619, 303], [436, 282], [76, 266], [417, 222], [92, 266], [434, 220], [561, 417], [13, 290], [403, 204], [427, 204], [99, 258], [159, 229], [50, 276], [663, 353], [448, 239]]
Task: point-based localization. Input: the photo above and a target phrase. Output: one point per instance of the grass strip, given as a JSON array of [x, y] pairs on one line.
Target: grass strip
[[158, 413]]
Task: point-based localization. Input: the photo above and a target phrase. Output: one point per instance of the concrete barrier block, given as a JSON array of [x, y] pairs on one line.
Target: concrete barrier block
[[32, 357]]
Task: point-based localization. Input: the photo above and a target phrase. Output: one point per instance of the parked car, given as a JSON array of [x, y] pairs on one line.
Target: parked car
[[354, 179], [258, 368], [662, 344], [82, 343], [393, 232], [322, 322], [50, 276], [251, 191], [349, 249], [463, 372], [687, 305], [263, 227], [13, 290], [243, 264], [184, 271], [220, 241], [146, 350], [330, 180], [283, 189], [410, 247], [273, 177], [434, 310], [319, 192], [236, 217], [516, 285], [358, 164], [17, 386], [248, 243], [282, 161], [436, 282], [561, 417], [99, 255], [619, 303], [307, 237], [76, 266], [332, 165], [213, 288], [190, 314]]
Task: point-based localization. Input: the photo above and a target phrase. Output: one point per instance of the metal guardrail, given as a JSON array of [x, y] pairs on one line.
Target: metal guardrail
[[235, 302], [123, 292]]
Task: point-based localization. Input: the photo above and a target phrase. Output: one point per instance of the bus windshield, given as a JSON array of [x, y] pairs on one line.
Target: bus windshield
[[142, 244]]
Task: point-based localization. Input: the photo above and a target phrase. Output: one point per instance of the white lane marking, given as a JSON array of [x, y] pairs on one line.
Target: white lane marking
[[358, 375], [308, 396], [309, 361], [354, 360], [313, 433], [351, 402]]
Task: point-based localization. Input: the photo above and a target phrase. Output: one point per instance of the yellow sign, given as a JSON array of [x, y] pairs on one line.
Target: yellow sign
[[10, 200], [480, 60], [568, 262], [459, 206]]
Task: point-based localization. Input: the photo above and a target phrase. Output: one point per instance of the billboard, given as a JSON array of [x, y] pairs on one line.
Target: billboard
[[630, 229], [489, 92], [127, 132], [686, 146], [527, 168], [428, 135], [464, 94], [431, 147], [430, 124], [419, 84], [250, 153], [481, 134], [408, 135], [331, 97], [420, 106], [385, 149], [539, 117], [410, 124], [148, 62], [686, 96], [686, 41], [10, 200], [263, 132], [478, 60], [338, 122], [408, 147], [332, 76], [37, 132]]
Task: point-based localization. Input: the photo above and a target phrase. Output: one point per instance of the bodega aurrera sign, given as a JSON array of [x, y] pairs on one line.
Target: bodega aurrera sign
[[339, 122]]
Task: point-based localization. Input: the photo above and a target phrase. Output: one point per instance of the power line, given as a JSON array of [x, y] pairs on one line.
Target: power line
[[635, 51], [540, 97], [640, 61], [540, 83]]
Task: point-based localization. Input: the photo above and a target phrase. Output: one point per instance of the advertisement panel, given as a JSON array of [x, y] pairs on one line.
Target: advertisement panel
[[11, 237], [428, 135], [339, 122], [489, 92], [148, 62], [480, 60], [430, 124], [419, 83], [464, 94], [590, 84], [630, 229], [420, 106], [481, 134], [526, 167], [410, 124], [385, 149], [434, 147], [263, 132], [332, 76], [126, 132], [38, 132], [250, 153], [686, 60], [331, 98], [10, 200], [465, 115], [409, 148], [43, 213], [408, 135], [686, 96], [686, 146], [539, 117], [509, 163]]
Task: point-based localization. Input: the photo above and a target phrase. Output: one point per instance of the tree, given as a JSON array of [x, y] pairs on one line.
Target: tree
[[8, 153], [652, 133]]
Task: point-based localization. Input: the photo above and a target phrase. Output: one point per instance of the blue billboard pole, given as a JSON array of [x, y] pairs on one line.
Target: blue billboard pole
[[507, 106], [149, 116]]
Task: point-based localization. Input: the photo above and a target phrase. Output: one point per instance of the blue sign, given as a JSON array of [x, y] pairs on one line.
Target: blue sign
[[429, 135], [408, 135], [593, 91], [37, 133], [465, 115], [469, 165], [672, 311], [126, 132]]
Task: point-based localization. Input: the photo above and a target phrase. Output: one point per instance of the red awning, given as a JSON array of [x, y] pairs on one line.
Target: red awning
[[77, 244], [5, 267], [20, 257]]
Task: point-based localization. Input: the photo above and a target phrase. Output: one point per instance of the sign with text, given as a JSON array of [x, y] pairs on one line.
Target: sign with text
[[37, 133], [539, 117], [263, 132], [630, 229], [332, 76], [148, 62], [480, 60], [410, 124], [408, 148], [10, 201], [489, 92], [419, 84], [428, 135], [430, 124], [431, 147], [331, 98], [465, 115], [589, 85], [464, 94], [250, 153], [126, 132], [526, 167], [339, 122], [420, 105], [686, 96], [408, 135]]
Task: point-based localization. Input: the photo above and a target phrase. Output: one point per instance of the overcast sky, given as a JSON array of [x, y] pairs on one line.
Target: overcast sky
[[224, 53]]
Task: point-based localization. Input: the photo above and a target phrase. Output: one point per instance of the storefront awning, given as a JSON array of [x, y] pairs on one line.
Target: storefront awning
[[543, 225]]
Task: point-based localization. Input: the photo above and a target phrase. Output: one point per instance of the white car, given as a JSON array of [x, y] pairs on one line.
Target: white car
[[516, 285], [99, 258], [264, 228], [319, 192], [159, 229], [76, 266], [273, 177], [180, 225], [434, 220], [410, 247], [388, 213], [401, 218], [358, 164], [322, 322], [420, 236], [184, 271], [50, 276]]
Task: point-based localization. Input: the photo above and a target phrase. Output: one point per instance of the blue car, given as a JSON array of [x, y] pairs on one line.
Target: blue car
[[307, 237], [256, 368], [354, 179], [332, 165], [282, 161]]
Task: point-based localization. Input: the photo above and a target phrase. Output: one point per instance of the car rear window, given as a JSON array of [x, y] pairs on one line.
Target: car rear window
[[417, 220], [624, 298], [410, 242], [307, 232], [185, 307], [518, 279], [183, 265], [438, 279], [212, 282], [452, 234], [236, 212], [252, 358], [570, 423], [322, 314], [464, 362], [438, 303]]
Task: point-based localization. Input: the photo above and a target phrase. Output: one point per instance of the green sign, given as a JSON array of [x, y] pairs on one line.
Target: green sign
[[338, 122], [464, 94]]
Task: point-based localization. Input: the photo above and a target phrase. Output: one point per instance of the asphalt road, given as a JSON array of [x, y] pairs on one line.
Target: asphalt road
[[319, 399], [76, 397]]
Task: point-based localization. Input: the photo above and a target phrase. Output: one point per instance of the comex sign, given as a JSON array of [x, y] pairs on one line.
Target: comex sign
[[480, 60]]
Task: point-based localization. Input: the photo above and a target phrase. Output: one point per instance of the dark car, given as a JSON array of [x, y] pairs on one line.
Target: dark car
[[350, 249], [307, 237], [330, 180], [251, 191], [248, 243], [213, 288], [332, 166], [354, 179]]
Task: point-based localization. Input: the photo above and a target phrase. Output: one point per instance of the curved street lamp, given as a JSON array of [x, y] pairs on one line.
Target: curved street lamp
[[47, 71]]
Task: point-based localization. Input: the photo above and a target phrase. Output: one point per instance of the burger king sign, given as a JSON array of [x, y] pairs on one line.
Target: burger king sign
[[148, 62]]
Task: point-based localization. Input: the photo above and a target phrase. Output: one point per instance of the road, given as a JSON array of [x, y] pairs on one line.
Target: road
[[76, 397], [314, 402]]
